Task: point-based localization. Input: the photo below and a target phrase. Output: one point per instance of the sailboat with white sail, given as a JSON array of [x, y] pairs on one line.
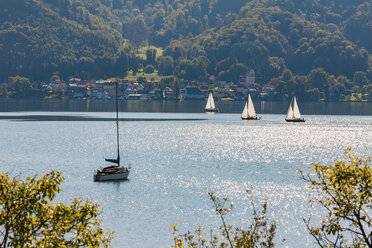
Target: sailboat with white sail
[[113, 172], [293, 114], [249, 113], [210, 106]]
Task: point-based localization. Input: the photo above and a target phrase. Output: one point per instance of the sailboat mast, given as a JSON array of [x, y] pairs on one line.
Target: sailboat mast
[[117, 119]]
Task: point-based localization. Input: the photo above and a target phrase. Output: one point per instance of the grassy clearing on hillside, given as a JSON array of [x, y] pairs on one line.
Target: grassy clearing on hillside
[[141, 52], [148, 76]]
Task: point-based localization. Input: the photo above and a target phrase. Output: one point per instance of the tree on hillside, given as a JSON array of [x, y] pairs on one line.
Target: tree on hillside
[[136, 30], [166, 65], [345, 193], [367, 89], [29, 219], [360, 78], [287, 75], [122, 64], [149, 69], [313, 95], [345, 81], [318, 78], [151, 56], [18, 86], [359, 27]]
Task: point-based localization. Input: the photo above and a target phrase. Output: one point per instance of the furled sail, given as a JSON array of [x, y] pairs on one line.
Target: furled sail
[[116, 161]]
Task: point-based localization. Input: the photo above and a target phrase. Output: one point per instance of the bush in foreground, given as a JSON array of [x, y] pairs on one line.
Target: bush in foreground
[[345, 193], [29, 219], [259, 233]]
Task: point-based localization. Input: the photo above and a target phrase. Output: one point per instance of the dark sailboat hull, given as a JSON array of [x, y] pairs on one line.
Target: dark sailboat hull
[[211, 110], [295, 120], [251, 118], [111, 177]]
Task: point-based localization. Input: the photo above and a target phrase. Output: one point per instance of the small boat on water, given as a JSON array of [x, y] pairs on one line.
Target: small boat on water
[[249, 113], [293, 114], [210, 106], [113, 172]]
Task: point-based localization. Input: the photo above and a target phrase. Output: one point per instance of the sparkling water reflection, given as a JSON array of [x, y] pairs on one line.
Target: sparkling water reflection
[[175, 164]]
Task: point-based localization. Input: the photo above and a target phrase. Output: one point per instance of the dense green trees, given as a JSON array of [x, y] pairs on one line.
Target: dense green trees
[[200, 38], [316, 85], [166, 65], [265, 31], [18, 87], [358, 27], [38, 38]]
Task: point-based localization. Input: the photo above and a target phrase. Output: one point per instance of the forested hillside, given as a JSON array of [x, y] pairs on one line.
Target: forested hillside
[[38, 38], [269, 38], [200, 38]]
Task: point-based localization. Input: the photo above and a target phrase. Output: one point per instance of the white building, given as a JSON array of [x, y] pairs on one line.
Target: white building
[[248, 80]]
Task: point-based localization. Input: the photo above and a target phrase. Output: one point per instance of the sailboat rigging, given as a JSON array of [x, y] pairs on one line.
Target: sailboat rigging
[[249, 112], [210, 106], [114, 172], [293, 113]]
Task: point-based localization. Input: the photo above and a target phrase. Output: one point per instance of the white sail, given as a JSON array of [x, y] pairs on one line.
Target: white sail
[[248, 111], [290, 112], [251, 111], [296, 110], [245, 111], [210, 103]]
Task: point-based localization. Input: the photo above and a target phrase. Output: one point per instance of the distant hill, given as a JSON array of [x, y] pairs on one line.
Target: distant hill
[[38, 38], [268, 37], [223, 38]]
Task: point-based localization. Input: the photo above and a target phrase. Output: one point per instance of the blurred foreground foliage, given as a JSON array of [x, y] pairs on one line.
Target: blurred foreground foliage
[[259, 233], [28, 218], [345, 193]]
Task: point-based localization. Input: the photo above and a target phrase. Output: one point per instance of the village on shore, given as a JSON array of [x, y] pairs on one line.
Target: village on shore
[[153, 89]]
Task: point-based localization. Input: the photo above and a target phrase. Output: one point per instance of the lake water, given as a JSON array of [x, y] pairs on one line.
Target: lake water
[[321, 108], [178, 157]]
